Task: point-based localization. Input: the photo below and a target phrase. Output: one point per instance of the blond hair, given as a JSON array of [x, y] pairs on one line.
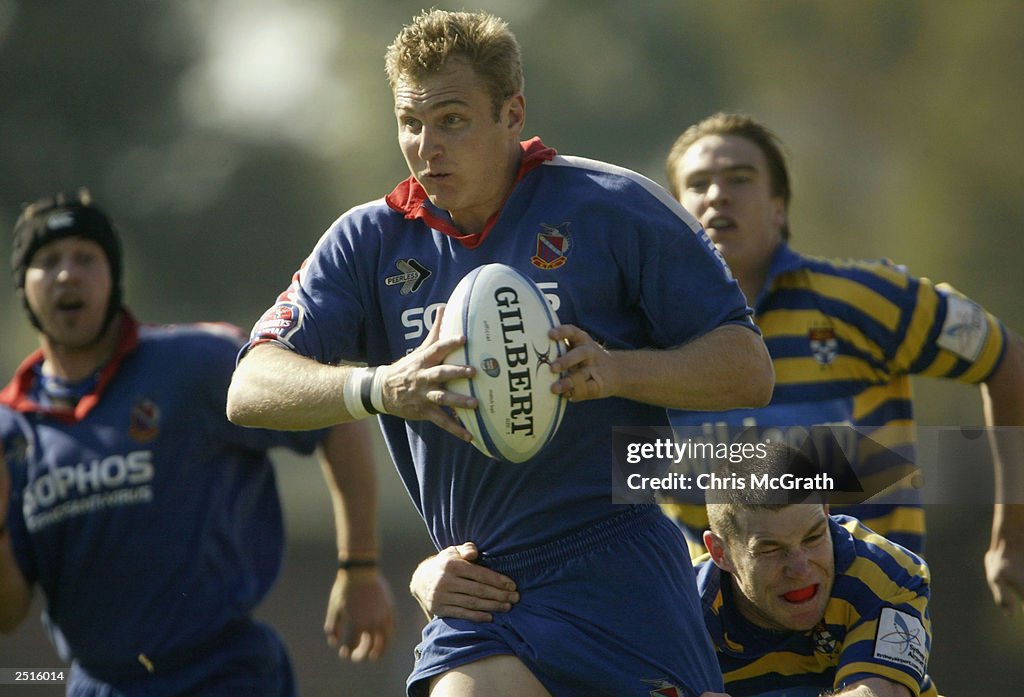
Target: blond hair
[[434, 37]]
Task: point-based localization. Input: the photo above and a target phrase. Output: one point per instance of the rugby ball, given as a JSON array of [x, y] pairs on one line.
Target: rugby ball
[[505, 319]]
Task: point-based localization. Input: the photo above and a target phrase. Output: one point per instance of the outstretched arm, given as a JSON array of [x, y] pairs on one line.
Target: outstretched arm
[[360, 609], [1003, 397], [273, 387]]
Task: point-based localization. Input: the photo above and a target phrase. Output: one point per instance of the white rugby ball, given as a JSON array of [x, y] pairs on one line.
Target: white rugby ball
[[505, 319]]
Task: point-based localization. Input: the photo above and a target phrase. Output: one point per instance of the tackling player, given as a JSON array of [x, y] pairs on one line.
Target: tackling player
[[845, 336], [796, 602], [801, 603], [619, 258], [151, 523]]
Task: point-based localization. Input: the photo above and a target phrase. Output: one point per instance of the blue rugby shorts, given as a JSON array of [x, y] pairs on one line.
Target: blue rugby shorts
[[609, 610]]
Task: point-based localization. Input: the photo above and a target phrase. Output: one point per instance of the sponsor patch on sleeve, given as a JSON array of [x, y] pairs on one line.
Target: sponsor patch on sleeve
[[279, 322], [901, 639], [965, 330]]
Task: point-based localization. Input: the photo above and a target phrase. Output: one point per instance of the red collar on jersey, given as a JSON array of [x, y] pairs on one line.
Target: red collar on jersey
[[409, 197], [16, 394]]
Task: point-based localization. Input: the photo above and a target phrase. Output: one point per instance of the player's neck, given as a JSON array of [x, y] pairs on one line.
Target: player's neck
[[751, 283]]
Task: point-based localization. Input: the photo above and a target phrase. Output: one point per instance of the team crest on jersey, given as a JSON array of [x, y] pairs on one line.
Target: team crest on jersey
[[901, 638], [144, 424], [411, 277], [824, 642], [663, 688], [824, 345], [553, 244], [280, 321]]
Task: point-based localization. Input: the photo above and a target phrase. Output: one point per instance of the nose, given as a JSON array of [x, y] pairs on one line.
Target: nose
[[797, 563], [68, 270], [430, 144], [716, 192]]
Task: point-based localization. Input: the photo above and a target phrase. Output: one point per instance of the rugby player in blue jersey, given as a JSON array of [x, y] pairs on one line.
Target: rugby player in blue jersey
[[150, 522], [801, 603], [845, 336], [652, 319]]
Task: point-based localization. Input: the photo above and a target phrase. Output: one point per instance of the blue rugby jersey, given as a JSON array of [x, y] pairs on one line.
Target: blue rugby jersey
[[844, 337], [149, 521], [613, 253], [876, 624]]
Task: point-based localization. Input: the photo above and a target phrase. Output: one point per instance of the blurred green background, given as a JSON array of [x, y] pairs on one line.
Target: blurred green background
[[225, 135]]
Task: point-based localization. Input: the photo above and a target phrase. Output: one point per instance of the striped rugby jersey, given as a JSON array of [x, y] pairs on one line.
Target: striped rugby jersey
[[876, 624], [844, 337]]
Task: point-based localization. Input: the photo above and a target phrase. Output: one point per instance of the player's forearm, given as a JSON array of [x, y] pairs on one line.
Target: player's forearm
[[273, 387], [1003, 397], [347, 460], [872, 687], [728, 368], [15, 593]]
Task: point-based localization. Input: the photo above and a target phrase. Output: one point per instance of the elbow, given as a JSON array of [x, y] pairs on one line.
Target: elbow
[[239, 409], [758, 381], [764, 388]]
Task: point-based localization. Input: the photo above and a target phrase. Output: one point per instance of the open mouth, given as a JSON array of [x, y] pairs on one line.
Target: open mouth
[[801, 594], [70, 304], [720, 223]]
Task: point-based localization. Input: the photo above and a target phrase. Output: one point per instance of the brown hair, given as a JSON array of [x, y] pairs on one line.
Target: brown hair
[[722, 123]]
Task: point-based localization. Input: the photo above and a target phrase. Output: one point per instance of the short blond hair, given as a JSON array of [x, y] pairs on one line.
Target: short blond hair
[[434, 37]]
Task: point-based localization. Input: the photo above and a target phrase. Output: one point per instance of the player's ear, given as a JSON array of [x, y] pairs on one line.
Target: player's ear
[[716, 546], [515, 113], [780, 215]]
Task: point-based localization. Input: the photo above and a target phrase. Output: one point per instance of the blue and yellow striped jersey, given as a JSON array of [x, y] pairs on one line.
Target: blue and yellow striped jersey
[[876, 624], [844, 337]]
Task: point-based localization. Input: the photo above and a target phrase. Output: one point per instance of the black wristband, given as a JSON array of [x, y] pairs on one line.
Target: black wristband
[[347, 564], [365, 388]]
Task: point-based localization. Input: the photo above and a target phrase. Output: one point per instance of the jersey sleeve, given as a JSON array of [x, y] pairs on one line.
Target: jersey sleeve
[[958, 338], [938, 332], [890, 632], [14, 442], [321, 313]]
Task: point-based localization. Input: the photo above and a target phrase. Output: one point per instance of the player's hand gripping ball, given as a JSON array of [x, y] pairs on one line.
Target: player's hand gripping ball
[[505, 319]]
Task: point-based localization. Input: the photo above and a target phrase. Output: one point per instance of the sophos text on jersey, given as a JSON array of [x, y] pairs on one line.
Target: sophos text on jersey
[[669, 449]]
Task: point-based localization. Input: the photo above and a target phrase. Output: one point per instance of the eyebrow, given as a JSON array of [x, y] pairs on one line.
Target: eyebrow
[[437, 106], [769, 542], [741, 167]]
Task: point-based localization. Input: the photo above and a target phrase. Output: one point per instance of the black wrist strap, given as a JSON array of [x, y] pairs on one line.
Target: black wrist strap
[[365, 391], [347, 564]]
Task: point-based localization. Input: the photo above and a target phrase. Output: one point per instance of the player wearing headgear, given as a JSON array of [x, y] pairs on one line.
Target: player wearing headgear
[[801, 603], [151, 523], [619, 259]]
